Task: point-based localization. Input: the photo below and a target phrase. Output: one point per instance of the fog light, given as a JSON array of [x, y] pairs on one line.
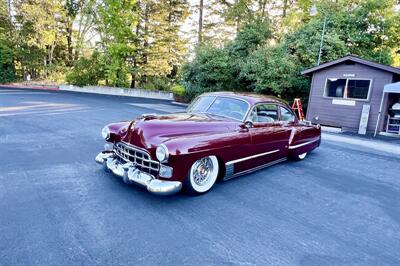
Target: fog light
[[165, 171]]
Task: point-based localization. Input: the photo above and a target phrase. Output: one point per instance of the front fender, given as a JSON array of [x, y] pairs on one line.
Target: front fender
[[118, 130], [184, 151]]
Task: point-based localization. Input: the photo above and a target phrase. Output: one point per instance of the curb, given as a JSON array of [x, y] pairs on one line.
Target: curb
[[114, 91], [34, 87], [127, 92]]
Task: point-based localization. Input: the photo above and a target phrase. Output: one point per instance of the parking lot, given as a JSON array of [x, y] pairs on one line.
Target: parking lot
[[341, 205]]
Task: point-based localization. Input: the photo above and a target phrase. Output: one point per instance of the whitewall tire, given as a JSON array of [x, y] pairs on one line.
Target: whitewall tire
[[300, 156], [202, 175]]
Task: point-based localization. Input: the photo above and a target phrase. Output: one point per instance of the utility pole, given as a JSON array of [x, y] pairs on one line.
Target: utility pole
[[322, 42]]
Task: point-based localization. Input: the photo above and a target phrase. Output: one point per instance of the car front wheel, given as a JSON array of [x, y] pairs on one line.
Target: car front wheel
[[202, 175]]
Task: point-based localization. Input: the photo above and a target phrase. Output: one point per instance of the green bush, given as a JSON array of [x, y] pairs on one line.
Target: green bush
[[56, 73], [7, 68], [157, 83], [178, 90], [272, 71], [216, 69], [209, 71], [87, 71]]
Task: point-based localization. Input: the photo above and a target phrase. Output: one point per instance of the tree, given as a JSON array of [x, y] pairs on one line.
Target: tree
[[41, 23], [220, 68], [305, 43], [88, 71], [200, 33], [209, 71], [367, 28], [116, 25], [160, 48], [7, 67], [273, 71]]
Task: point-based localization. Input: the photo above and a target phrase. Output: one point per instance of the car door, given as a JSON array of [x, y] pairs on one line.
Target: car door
[[268, 138]]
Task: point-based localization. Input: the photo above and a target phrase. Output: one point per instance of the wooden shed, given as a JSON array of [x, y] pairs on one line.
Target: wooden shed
[[346, 93]]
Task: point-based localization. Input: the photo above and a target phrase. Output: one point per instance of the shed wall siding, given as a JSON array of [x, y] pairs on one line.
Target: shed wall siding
[[347, 117]]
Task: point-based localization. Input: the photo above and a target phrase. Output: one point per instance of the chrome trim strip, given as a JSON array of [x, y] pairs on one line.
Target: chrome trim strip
[[250, 157], [303, 144], [255, 168]]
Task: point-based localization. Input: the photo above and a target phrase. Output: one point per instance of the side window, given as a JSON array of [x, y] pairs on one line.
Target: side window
[[286, 115], [264, 113]]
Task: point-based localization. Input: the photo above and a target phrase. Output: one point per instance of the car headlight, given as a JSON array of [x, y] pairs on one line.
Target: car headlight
[[162, 153], [105, 133]]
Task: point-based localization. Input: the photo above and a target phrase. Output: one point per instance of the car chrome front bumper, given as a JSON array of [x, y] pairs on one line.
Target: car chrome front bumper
[[130, 174]]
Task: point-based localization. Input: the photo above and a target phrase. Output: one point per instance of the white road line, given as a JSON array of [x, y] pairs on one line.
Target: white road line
[[33, 106], [1, 91], [67, 112], [43, 112]]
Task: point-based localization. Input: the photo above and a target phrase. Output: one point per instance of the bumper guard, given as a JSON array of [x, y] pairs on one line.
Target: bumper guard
[[130, 174]]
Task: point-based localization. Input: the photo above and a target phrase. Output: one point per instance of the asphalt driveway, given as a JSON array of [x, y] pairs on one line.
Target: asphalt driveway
[[57, 207]]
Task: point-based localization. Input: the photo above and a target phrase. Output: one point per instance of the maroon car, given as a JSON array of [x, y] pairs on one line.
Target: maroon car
[[221, 135]]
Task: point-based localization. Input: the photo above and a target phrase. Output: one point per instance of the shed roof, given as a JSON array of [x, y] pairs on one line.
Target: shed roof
[[353, 58]]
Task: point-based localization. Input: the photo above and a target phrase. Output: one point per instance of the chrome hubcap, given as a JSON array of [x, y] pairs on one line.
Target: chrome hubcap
[[202, 171]]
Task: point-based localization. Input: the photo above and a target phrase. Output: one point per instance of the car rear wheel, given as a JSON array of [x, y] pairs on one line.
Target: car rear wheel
[[300, 156], [202, 175]]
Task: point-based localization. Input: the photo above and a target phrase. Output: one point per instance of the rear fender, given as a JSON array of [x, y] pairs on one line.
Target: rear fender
[[304, 139]]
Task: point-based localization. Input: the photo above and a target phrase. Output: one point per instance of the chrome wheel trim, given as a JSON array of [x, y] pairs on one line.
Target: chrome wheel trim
[[302, 156], [204, 173]]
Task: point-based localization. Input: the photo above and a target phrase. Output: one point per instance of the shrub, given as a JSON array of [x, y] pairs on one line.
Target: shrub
[[7, 68], [209, 71], [157, 83], [178, 90], [87, 71]]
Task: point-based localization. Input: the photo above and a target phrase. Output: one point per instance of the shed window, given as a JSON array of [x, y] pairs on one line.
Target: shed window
[[347, 88], [358, 89], [335, 87]]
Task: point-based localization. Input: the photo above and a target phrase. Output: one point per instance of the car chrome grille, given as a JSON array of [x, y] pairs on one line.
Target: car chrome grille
[[137, 156]]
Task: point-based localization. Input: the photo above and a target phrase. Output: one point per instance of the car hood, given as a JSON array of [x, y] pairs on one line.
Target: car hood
[[152, 130]]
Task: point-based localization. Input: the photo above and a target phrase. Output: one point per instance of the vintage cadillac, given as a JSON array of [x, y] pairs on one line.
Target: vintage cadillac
[[221, 135]]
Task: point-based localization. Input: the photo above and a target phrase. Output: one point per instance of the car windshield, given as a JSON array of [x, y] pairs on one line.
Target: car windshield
[[220, 106]]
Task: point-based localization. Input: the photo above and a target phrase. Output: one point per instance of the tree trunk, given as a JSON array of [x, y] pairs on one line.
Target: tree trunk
[[263, 4], [285, 6], [135, 59], [146, 41], [133, 81], [69, 44], [201, 7], [45, 66]]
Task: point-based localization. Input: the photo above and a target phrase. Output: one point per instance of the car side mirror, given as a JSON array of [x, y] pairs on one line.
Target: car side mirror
[[247, 124]]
